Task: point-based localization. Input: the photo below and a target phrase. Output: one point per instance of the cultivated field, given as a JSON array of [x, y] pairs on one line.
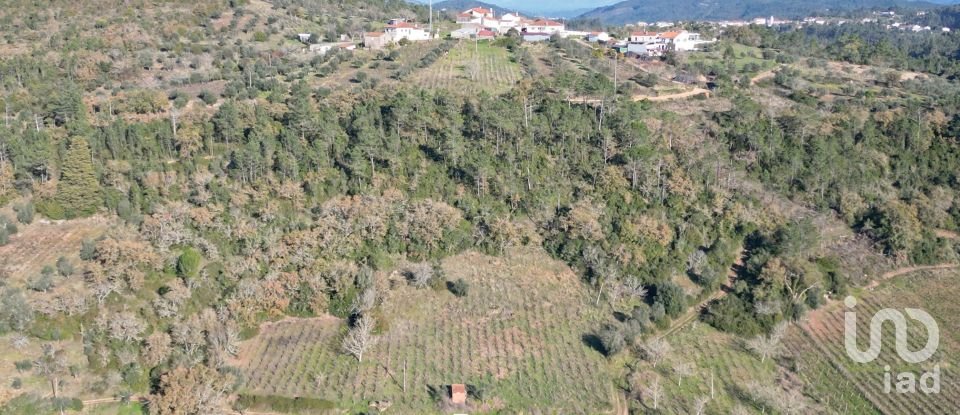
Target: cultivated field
[[471, 68], [713, 356], [41, 243], [850, 387], [519, 335]]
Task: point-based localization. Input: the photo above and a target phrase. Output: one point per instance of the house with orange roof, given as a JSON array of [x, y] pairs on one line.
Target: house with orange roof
[[376, 40], [542, 26]]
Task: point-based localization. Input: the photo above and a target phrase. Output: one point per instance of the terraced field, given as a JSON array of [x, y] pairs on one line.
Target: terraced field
[[852, 387], [518, 335], [471, 68], [41, 243]]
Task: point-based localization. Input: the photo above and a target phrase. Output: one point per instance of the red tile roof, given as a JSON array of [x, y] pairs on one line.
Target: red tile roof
[[485, 33], [480, 10], [670, 35], [545, 22], [402, 25]]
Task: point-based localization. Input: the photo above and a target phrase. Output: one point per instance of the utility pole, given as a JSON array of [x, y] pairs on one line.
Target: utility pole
[[615, 56], [431, 18]]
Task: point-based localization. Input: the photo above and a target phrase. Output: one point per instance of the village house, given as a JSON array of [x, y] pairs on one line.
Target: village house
[[376, 40], [683, 40], [543, 26], [394, 33], [485, 35], [598, 37], [657, 43], [408, 31], [475, 16], [511, 20], [643, 37]]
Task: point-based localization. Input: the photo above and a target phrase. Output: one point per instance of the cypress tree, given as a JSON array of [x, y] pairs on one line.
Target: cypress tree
[[78, 192]]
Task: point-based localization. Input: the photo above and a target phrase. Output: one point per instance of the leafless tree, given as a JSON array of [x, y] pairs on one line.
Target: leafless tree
[[223, 340], [125, 326], [19, 341], [420, 274], [682, 369], [360, 338], [51, 364], [769, 345], [157, 348], [767, 308], [655, 392], [634, 287], [696, 261], [700, 404], [126, 356], [656, 351]]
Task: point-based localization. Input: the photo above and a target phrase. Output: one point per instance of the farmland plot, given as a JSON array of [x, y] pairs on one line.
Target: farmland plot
[[860, 388], [41, 243], [471, 68], [518, 335]]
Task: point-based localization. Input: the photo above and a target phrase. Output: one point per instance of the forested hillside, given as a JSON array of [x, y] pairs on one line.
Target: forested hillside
[[632, 11], [229, 185]]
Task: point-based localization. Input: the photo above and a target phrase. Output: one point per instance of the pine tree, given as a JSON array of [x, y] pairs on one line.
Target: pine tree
[[78, 191]]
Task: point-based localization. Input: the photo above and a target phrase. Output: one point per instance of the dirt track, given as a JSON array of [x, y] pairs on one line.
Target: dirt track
[[659, 98]]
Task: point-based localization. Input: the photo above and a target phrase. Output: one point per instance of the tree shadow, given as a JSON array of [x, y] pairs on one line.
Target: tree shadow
[[593, 341]]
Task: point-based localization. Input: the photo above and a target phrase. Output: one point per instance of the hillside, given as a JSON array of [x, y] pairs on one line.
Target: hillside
[[632, 11], [457, 6], [193, 200]]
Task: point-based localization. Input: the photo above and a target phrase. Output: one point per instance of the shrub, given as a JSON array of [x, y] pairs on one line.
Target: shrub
[[25, 213], [51, 209], [88, 249], [188, 265], [64, 267], [672, 297], [611, 340], [459, 287], [208, 97], [42, 283]]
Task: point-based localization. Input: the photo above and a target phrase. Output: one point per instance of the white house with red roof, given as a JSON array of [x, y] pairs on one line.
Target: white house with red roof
[[643, 37], [542, 26], [394, 33], [656, 43], [475, 15], [409, 31]]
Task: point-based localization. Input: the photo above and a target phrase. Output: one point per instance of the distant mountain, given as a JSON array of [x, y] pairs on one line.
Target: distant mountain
[[632, 11], [456, 6], [545, 8]]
